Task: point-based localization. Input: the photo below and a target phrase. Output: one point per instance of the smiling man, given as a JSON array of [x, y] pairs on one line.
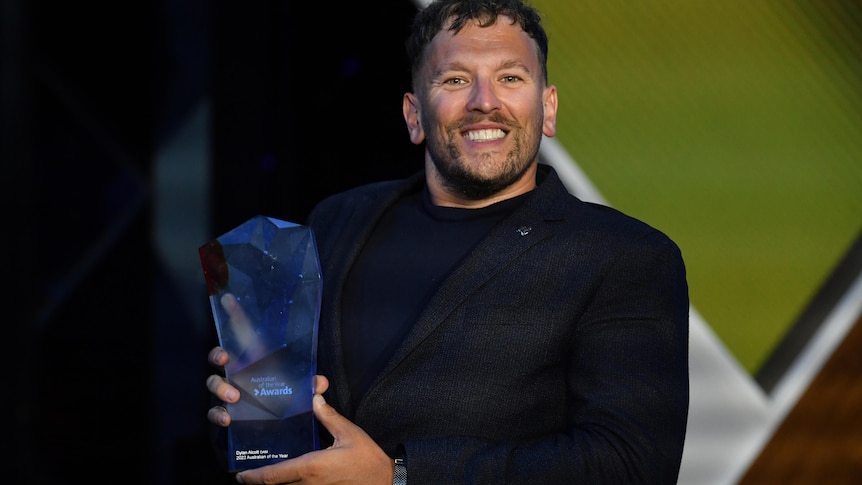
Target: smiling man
[[479, 323], [482, 103]]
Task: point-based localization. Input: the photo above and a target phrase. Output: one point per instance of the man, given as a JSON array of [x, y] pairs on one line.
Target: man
[[479, 322]]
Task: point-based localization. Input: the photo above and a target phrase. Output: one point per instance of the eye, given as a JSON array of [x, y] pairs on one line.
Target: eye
[[510, 79], [454, 81]]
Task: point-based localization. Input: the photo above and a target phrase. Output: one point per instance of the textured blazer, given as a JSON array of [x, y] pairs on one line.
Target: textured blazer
[[556, 352]]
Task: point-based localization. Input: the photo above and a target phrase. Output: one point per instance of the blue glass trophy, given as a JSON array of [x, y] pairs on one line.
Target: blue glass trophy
[[264, 284]]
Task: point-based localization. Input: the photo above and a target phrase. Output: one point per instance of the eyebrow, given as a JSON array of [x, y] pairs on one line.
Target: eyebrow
[[515, 64], [457, 66]]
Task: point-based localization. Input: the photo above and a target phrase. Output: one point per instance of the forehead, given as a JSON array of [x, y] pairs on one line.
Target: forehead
[[501, 42]]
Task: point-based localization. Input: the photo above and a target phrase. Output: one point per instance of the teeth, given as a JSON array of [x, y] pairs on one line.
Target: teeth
[[485, 135]]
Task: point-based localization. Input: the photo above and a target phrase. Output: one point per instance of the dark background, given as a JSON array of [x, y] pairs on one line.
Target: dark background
[[133, 132]]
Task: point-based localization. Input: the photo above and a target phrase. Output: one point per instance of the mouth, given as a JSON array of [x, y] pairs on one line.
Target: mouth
[[484, 135]]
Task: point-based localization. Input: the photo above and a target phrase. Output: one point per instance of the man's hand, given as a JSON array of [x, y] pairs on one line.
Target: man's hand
[[353, 458]]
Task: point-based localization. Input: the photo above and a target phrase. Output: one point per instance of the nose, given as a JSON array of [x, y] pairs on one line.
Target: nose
[[483, 97]]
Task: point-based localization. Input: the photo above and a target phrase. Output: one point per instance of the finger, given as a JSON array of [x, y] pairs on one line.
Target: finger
[[218, 357], [247, 340], [221, 389], [321, 384], [218, 415], [283, 472], [234, 310], [338, 426]]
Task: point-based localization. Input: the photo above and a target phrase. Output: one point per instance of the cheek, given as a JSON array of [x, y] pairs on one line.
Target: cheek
[[443, 109], [442, 115]]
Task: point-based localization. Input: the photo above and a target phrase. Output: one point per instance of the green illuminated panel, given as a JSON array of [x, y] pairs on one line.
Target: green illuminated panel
[[735, 127]]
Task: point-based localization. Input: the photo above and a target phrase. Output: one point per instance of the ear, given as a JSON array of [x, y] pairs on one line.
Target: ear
[[549, 104], [410, 107]]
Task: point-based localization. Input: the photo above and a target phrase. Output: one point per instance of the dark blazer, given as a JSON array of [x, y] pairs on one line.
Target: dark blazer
[[557, 352]]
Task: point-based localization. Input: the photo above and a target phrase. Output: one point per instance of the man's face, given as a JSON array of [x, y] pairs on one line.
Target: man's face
[[481, 107]]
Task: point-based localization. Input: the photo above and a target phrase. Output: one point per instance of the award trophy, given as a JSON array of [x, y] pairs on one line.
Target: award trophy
[[264, 284]]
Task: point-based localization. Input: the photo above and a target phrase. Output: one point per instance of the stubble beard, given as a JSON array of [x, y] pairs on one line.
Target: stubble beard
[[454, 170]]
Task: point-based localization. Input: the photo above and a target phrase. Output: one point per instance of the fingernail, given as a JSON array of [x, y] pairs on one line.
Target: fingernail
[[239, 478], [231, 395]]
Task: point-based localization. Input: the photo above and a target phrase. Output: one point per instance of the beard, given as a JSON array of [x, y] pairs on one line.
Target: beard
[[455, 171]]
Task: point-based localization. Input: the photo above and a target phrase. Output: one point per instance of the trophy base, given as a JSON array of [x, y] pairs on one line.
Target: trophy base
[[256, 443]]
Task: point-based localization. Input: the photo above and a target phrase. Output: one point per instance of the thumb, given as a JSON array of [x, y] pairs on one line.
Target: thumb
[[338, 426]]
